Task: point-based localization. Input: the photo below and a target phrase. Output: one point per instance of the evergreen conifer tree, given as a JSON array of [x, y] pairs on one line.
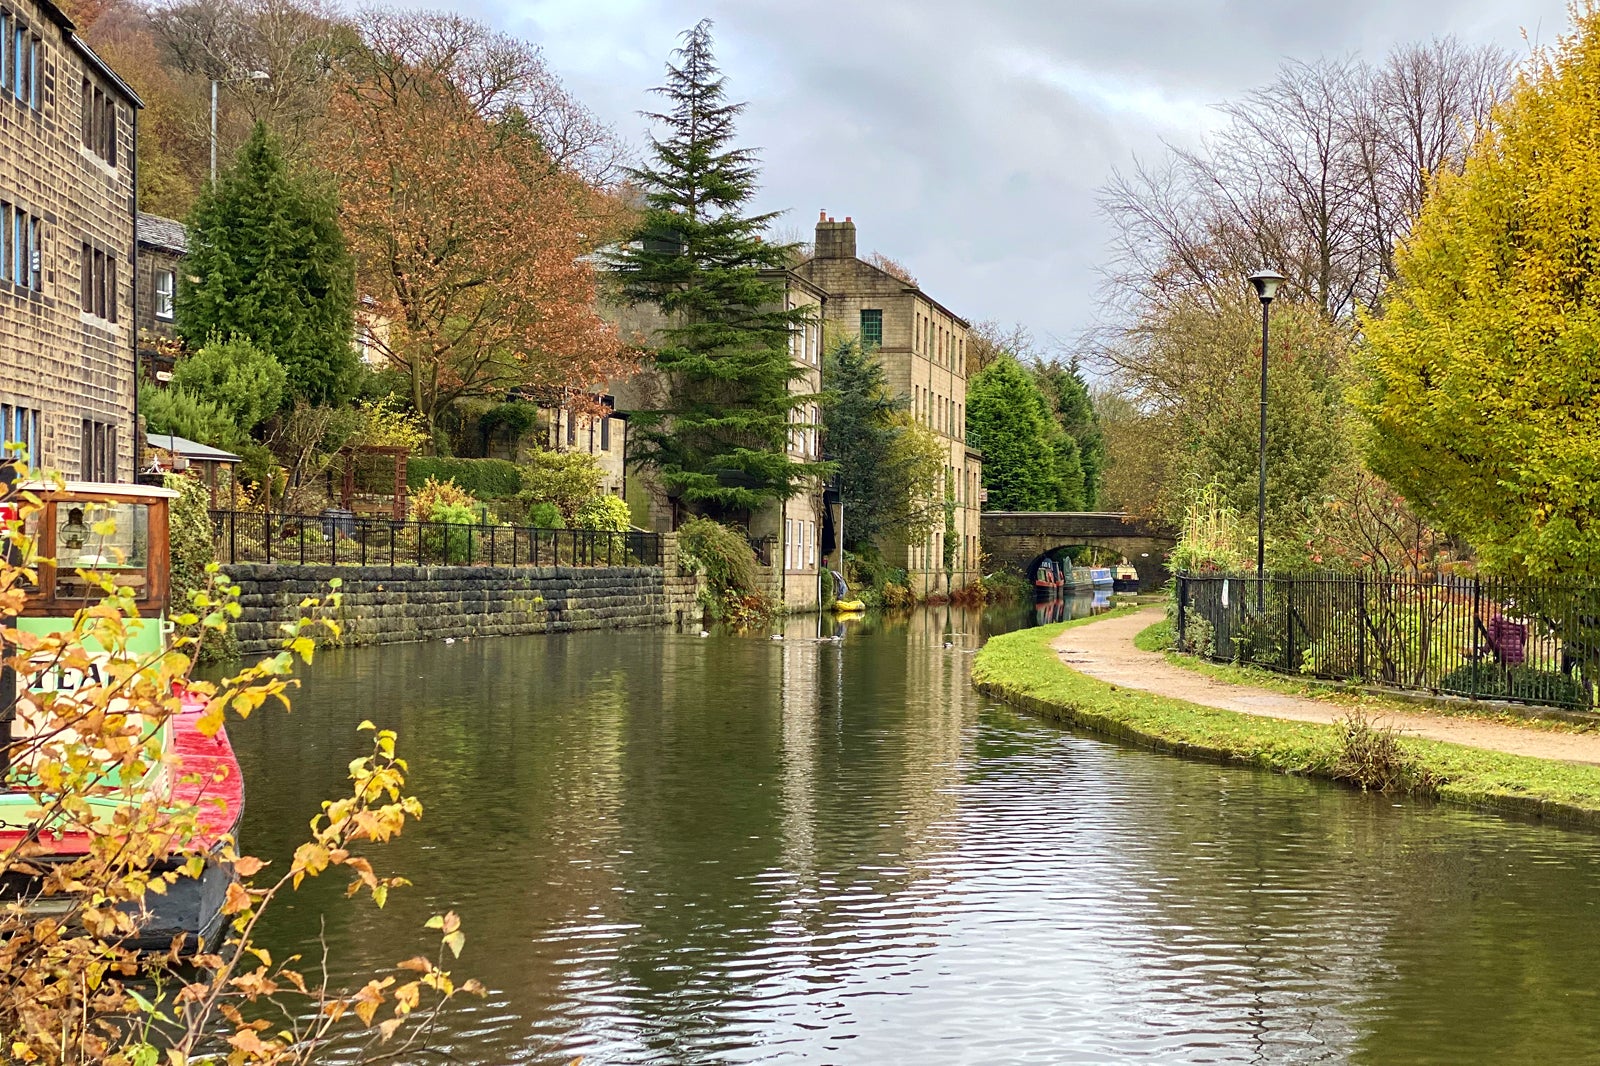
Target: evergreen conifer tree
[[719, 443], [1069, 403], [1006, 419], [271, 265]]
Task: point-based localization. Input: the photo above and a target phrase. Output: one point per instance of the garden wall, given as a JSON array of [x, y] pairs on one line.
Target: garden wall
[[383, 605]]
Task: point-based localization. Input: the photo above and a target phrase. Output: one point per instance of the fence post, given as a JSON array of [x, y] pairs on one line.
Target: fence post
[[1183, 611], [1477, 601], [266, 532], [233, 536], [1288, 625], [1361, 626]]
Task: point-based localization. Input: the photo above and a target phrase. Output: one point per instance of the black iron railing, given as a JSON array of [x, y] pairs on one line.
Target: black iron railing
[[345, 539], [1532, 642]]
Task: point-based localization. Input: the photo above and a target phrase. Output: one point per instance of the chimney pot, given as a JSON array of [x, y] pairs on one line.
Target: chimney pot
[[847, 218], [822, 216]]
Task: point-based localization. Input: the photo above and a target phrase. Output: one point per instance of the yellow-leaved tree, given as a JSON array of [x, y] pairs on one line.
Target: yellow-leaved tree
[[1482, 373]]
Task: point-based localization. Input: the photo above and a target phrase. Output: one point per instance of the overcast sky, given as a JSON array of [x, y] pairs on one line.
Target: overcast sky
[[967, 139]]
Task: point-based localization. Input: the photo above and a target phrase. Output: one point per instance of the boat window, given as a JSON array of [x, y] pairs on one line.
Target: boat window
[[100, 537]]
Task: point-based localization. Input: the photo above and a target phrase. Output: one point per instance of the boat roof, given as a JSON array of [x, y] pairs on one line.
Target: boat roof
[[93, 489]]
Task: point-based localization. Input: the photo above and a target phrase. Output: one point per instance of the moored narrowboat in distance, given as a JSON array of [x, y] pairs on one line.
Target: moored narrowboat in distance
[[1124, 578], [84, 532]]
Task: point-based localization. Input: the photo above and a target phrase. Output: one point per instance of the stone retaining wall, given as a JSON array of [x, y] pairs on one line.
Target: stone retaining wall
[[383, 605]]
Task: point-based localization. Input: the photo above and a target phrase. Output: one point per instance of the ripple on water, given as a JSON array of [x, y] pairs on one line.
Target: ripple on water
[[669, 849]]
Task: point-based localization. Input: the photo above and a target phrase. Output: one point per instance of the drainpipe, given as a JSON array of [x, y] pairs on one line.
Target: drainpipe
[[134, 443]]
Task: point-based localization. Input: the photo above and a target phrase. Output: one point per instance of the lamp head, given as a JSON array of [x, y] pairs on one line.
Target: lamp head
[[1267, 283]]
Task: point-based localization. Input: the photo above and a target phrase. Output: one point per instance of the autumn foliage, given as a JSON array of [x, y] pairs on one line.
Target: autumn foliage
[[469, 235], [1481, 380]]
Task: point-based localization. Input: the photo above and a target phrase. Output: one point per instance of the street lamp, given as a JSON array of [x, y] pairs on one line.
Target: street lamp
[[261, 80], [1267, 283]]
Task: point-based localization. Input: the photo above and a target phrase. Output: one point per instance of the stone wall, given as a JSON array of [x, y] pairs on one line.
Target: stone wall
[[381, 605]]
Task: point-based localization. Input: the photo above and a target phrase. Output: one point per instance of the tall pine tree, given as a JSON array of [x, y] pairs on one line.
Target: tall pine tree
[[271, 266], [1006, 418], [719, 444]]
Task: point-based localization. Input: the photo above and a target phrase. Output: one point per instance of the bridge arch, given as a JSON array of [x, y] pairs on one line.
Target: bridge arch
[[1015, 540]]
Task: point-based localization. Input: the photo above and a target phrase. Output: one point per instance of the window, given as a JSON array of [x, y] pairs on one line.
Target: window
[[811, 544], [97, 457], [99, 125], [788, 544], [871, 329], [20, 425], [21, 248], [605, 434], [167, 283], [19, 61], [98, 283]]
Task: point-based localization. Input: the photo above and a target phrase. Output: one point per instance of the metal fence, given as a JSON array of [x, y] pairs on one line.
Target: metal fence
[[344, 539], [1532, 642]]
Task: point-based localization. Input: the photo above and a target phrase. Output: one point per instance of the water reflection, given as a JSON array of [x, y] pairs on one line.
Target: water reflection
[[828, 848]]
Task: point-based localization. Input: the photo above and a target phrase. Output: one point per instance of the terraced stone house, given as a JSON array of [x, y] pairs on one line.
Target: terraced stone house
[[67, 278]]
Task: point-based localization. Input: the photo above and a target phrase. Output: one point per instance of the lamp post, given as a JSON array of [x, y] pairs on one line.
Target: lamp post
[[261, 80], [1267, 283]]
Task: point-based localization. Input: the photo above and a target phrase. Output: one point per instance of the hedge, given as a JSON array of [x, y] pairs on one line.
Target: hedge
[[486, 479]]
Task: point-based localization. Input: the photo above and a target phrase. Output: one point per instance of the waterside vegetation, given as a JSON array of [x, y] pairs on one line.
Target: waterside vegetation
[[1023, 669]]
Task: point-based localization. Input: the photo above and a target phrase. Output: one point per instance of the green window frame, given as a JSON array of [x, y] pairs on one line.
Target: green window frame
[[871, 328]]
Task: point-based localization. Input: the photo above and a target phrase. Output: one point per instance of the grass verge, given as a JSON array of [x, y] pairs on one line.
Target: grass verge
[[1021, 668]]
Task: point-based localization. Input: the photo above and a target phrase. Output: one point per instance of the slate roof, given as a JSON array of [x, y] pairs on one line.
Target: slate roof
[[166, 233]]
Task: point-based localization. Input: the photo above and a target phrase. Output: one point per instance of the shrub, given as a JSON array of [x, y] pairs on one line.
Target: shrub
[[245, 383], [608, 513], [729, 564], [565, 479], [433, 493], [546, 515], [192, 550], [1492, 681], [1373, 759], [485, 479], [451, 536], [180, 412], [386, 424]]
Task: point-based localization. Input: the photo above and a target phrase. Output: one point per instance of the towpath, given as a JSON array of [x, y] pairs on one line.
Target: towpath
[[1105, 650]]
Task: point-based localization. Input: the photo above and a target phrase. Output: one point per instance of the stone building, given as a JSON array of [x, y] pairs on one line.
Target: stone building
[[788, 534], [923, 345], [162, 245], [67, 278]]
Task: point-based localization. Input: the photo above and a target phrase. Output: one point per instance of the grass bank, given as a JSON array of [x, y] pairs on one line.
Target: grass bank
[[1022, 669]]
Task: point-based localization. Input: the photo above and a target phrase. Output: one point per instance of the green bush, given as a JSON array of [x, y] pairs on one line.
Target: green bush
[[565, 479], [192, 549], [546, 515], [1491, 681], [245, 383], [729, 564], [607, 513], [180, 412], [451, 538], [486, 479]]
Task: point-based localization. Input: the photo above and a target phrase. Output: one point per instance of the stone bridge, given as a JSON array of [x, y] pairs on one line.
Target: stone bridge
[[1016, 540]]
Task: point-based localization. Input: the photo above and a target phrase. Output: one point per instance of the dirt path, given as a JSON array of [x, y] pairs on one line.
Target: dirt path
[[1105, 650]]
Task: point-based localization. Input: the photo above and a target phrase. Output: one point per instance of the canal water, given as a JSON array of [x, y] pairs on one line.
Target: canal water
[[734, 849]]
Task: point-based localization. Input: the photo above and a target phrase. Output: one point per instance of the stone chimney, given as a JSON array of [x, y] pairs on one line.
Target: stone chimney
[[835, 240]]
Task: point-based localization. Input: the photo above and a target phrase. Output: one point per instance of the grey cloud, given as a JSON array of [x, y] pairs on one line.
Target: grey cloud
[[967, 139]]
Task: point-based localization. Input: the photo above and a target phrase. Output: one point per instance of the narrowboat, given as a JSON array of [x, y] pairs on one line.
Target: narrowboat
[[1047, 577], [118, 532], [1100, 577], [1125, 578]]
